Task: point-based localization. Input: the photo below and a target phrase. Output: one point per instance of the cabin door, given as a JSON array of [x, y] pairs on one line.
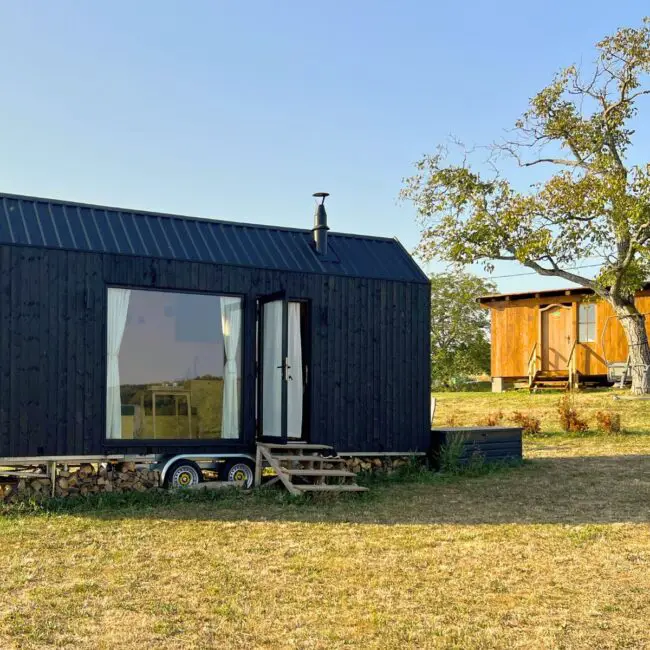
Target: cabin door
[[557, 337], [281, 369]]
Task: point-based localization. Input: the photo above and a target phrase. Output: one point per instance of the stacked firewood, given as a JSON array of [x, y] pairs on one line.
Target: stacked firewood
[[84, 479], [386, 464]]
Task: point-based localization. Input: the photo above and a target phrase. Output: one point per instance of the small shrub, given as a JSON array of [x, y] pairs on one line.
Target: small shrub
[[476, 462], [609, 422], [491, 419], [450, 454], [530, 425], [570, 419]]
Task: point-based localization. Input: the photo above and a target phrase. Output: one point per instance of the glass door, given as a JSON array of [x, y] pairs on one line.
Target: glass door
[[272, 358], [280, 369]]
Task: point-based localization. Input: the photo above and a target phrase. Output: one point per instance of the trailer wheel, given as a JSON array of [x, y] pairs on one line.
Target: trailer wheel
[[183, 474], [239, 469]]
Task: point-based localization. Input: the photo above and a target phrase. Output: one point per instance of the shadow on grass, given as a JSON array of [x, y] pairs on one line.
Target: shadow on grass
[[581, 490]]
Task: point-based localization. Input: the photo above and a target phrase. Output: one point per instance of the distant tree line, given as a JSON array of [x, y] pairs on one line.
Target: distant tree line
[[460, 328]]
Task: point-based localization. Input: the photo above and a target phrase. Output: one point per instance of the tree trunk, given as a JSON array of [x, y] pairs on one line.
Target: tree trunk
[[633, 323]]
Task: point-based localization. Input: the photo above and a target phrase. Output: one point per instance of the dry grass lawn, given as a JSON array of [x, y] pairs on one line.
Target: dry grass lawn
[[554, 554], [464, 409]]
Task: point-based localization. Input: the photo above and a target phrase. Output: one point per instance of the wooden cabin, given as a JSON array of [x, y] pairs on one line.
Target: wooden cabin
[[556, 338]]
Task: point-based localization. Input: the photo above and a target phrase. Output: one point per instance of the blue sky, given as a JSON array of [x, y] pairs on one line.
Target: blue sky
[[240, 110]]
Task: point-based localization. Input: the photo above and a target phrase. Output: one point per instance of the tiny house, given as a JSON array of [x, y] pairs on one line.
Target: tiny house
[[556, 337], [144, 333]]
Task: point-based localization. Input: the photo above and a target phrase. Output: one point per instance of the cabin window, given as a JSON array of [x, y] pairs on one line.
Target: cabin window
[[173, 365], [587, 323]]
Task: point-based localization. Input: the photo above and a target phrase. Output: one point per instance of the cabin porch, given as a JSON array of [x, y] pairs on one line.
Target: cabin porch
[[545, 380]]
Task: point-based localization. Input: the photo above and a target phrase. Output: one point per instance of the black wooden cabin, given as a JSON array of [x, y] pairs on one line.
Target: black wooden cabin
[[137, 332]]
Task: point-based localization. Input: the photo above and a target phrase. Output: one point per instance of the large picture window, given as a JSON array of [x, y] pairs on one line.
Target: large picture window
[[173, 365]]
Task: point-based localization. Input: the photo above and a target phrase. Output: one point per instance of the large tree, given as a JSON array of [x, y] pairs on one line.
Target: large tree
[[460, 344], [594, 203]]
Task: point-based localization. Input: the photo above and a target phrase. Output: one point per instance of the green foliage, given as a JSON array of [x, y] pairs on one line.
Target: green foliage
[[594, 203], [450, 454], [142, 501], [459, 327], [450, 465]]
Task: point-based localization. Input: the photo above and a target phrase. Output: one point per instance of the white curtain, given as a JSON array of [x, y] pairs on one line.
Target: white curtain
[[118, 309], [294, 387], [231, 318], [272, 374]]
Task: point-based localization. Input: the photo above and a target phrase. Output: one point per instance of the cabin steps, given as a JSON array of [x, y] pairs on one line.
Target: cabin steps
[[297, 445], [311, 458], [303, 468], [550, 380], [320, 472], [333, 488]]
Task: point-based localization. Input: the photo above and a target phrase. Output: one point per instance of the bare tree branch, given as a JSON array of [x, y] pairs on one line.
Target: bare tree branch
[[554, 161], [561, 273]]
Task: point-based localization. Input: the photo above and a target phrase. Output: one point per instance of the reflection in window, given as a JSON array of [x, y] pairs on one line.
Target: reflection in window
[[173, 365], [587, 323]]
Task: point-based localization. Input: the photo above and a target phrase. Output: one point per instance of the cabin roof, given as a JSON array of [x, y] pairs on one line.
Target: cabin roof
[[525, 295], [67, 225], [545, 293]]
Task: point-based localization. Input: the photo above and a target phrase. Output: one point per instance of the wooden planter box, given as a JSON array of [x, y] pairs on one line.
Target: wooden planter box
[[494, 444]]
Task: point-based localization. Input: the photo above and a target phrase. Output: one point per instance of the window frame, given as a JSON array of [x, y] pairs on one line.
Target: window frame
[[587, 323], [177, 442]]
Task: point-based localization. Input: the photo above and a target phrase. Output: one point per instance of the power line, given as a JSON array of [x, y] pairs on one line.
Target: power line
[[519, 275]]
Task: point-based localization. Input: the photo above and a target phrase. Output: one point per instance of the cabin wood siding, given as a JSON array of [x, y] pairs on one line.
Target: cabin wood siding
[[515, 328], [512, 322], [369, 377]]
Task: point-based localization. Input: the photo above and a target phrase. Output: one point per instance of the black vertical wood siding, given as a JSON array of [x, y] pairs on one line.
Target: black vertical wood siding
[[369, 378]]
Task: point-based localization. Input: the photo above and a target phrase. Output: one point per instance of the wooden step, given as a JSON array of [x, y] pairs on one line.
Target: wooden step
[[305, 465], [331, 488], [293, 445], [562, 374], [319, 472], [550, 380], [555, 387], [301, 459]]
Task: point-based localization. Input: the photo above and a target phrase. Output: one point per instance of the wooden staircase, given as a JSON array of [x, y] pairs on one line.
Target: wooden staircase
[[565, 379], [550, 380], [303, 468]]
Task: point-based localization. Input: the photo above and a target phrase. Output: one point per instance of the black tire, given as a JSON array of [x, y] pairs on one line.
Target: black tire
[[239, 469], [183, 474]]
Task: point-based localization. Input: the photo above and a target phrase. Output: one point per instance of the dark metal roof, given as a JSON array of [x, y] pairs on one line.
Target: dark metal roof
[[66, 225]]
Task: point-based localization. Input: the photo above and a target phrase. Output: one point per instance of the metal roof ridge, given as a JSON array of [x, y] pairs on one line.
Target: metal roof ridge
[[168, 215]]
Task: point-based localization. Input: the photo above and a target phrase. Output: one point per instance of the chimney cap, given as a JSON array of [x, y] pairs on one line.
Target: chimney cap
[[321, 195]]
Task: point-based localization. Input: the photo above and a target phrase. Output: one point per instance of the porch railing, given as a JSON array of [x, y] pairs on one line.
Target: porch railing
[[572, 367], [532, 366]]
